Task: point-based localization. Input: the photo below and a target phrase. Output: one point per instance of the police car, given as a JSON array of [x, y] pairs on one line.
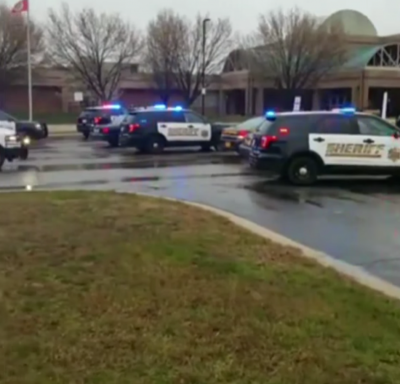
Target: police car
[[232, 137], [102, 115], [300, 146], [31, 130], [152, 129], [11, 146]]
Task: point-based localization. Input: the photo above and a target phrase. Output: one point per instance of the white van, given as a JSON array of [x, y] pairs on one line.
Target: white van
[[11, 146]]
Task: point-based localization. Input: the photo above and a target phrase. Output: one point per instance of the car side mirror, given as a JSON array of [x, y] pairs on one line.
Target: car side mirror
[[396, 135]]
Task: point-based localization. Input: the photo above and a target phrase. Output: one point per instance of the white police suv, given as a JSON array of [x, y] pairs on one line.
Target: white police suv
[[11, 146], [154, 128], [300, 146]]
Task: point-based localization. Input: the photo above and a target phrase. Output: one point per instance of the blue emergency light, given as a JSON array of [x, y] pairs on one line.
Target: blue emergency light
[[270, 114], [160, 106], [348, 110], [178, 108]]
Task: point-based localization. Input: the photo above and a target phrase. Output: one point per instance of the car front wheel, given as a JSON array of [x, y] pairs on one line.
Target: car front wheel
[[24, 153], [155, 144], [302, 171]]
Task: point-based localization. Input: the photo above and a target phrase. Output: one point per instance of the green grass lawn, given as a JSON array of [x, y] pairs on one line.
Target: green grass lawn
[[107, 288]]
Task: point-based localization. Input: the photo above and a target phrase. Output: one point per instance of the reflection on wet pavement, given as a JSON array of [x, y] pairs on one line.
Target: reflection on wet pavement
[[353, 219]]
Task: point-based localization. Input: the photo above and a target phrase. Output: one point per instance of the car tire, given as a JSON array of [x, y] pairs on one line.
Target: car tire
[[85, 135], [302, 171], [45, 130], [155, 144], [24, 153], [2, 158]]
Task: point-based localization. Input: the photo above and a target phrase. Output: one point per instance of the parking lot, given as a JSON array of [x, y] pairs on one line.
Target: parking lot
[[356, 220]]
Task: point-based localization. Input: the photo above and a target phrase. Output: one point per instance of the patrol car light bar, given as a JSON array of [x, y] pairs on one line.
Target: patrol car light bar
[[111, 106], [349, 110], [270, 115], [163, 106]]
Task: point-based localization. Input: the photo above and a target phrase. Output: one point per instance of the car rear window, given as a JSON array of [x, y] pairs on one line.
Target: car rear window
[[156, 116], [135, 117], [265, 127], [296, 123], [90, 112], [251, 124]]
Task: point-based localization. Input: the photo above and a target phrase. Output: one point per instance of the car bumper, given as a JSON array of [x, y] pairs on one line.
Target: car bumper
[[100, 136], [244, 150], [131, 141], [230, 143], [265, 161], [83, 128], [12, 153]]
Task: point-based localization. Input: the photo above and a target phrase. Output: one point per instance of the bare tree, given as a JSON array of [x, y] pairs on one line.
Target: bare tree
[[181, 49], [13, 46], [295, 49], [98, 49], [161, 48]]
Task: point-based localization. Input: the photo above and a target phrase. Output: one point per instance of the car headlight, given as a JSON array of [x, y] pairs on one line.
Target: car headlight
[[38, 126], [11, 138], [26, 140]]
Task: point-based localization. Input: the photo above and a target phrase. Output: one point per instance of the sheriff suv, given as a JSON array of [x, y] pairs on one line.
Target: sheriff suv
[[154, 128], [91, 117], [300, 146]]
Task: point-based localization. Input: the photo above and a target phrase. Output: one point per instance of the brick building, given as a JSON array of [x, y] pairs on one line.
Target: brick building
[[373, 67]]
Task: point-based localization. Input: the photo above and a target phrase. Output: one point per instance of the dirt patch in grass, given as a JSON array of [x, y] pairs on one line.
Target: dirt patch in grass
[[107, 288]]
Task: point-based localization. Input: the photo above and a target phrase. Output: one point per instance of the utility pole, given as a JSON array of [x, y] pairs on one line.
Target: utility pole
[[203, 69]]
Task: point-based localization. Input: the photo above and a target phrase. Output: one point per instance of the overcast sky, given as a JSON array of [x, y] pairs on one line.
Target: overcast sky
[[383, 13]]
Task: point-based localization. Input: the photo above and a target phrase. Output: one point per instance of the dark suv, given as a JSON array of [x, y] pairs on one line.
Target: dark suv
[[300, 146], [100, 115]]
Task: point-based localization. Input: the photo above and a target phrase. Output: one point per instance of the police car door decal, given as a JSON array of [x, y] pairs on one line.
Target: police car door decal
[[350, 149], [185, 131]]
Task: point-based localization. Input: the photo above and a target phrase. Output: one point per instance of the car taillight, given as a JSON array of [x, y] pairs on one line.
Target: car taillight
[[106, 130], [284, 131], [96, 120], [133, 127], [267, 140], [242, 134]]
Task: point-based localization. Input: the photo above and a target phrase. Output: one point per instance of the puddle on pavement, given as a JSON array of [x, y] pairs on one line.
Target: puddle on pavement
[[115, 182], [135, 164], [304, 195]]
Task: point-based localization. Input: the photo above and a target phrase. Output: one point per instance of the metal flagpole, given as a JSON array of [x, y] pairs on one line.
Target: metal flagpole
[[28, 46]]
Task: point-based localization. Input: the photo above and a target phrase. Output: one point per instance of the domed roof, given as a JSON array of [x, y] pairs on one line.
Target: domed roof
[[353, 23]]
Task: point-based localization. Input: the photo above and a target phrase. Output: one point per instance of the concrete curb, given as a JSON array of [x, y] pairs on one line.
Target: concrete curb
[[355, 273]]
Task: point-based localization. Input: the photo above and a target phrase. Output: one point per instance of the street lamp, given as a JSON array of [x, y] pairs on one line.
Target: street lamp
[[203, 69]]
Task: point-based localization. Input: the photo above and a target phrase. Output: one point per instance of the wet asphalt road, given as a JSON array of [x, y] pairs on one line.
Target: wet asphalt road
[[356, 220]]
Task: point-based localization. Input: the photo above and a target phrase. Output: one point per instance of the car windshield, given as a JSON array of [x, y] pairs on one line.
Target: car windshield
[[6, 116]]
